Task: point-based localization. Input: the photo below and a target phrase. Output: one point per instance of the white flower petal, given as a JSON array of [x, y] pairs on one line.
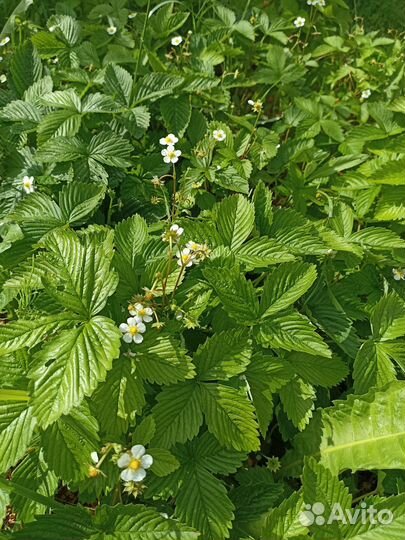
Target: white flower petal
[[127, 338], [138, 450], [147, 461], [127, 475], [166, 159], [124, 327], [147, 318], [138, 338], [94, 457], [139, 475], [124, 460], [133, 321]]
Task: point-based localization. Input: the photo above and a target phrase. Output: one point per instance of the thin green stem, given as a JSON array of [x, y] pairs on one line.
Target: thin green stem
[[138, 61]]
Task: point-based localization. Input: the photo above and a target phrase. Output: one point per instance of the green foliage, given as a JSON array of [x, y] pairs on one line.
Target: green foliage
[[202, 271]]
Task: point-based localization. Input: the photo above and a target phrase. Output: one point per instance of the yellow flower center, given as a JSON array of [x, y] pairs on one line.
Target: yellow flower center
[[171, 154], [93, 472], [142, 312], [27, 184], [134, 464], [133, 330], [131, 307]]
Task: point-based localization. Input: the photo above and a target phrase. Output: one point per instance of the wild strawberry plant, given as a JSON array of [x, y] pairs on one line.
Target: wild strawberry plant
[[202, 271]]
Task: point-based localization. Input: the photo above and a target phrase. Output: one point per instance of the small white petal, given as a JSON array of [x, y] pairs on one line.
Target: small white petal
[[138, 450], [166, 159], [124, 327], [127, 338], [147, 318], [133, 321], [138, 338], [147, 461], [94, 457], [124, 460]]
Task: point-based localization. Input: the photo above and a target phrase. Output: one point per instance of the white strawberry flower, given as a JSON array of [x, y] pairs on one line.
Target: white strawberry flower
[[176, 40], [174, 233], [257, 105], [133, 330], [299, 22], [185, 257], [170, 154], [111, 30], [4, 41], [398, 274], [366, 94], [3, 78], [169, 140], [219, 135], [144, 313], [134, 464], [28, 184]]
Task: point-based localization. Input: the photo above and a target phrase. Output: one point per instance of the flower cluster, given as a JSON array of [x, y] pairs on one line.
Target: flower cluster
[[170, 154], [299, 22], [398, 274], [135, 326]]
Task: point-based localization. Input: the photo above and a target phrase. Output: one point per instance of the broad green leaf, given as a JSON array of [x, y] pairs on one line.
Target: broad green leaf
[[162, 360], [365, 432], [203, 503], [321, 486], [164, 462], [77, 200], [28, 333], [318, 370], [118, 83], [34, 473], [69, 442], [284, 521], [235, 220], [17, 424], [262, 252], [285, 285], [70, 366], [388, 318], [292, 331], [82, 267], [130, 236], [156, 85], [372, 367], [118, 399], [297, 398], [177, 414], [176, 112], [236, 293], [224, 355], [229, 416], [378, 238]]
